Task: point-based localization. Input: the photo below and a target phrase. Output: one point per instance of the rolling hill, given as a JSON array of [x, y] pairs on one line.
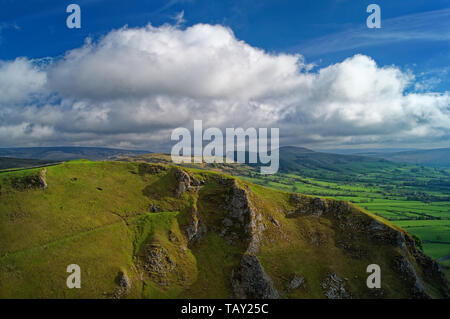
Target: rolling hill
[[434, 157], [12, 163], [410, 196], [152, 230], [298, 159], [66, 153]]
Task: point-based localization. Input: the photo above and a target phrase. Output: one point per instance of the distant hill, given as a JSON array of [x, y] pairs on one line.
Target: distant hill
[[311, 163], [298, 160], [433, 157], [66, 153], [365, 151], [9, 163]]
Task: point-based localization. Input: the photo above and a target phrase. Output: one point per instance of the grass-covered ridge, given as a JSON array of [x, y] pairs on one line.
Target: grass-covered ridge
[[172, 234], [410, 196]]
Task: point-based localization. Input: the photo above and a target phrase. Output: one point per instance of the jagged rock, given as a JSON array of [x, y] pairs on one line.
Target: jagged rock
[[385, 234], [43, 178], [307, 206], [408, 274], [353, 226], [431, 268], [251, 282], [195, 229], [227, 223], [124, 281], [296, 198], [35, 181], [319, 206], [145, 168], [185, 182], [240, 209], [238, 203], [157, 263], [296, 282], [333, 287]]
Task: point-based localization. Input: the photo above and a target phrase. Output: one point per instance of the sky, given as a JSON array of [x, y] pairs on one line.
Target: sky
[[137, 69]]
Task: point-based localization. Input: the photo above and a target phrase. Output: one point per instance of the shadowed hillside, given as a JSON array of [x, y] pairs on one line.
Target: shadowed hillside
[[12, 163], [66, 153], [434, 157]]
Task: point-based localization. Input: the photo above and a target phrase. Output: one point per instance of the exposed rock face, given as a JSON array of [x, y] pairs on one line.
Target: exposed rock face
[[157, 263], [145, 168], [307, 206], [240, 209], [431, 269], [354, 225], [36, 181], [333, 287], [42, 178], [319, 206], [124, 283], [185, 182], [251, 281], [402, 264], [408, 274], [196, 228], [296, 282]]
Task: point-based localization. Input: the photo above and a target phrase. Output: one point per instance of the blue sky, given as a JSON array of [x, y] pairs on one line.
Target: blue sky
[[325, 31], [303, 38]]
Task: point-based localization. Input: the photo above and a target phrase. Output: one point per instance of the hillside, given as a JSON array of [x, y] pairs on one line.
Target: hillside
[[12, 163], [434, 157], [293, 159], [66, 153], [410, 196], [140, 230], [320, 164]]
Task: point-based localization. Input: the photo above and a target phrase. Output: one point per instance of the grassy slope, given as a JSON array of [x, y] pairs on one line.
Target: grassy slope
[[414, 197], [96, 215]]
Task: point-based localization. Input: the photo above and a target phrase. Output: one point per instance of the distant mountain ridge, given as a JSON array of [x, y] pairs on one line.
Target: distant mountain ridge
[[11, 163], [429, 157], [65, 153], [432, 157], [292, 158], [300, 159]]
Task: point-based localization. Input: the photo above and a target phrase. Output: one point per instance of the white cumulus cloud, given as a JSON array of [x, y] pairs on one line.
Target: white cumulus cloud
[[133, 86]]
